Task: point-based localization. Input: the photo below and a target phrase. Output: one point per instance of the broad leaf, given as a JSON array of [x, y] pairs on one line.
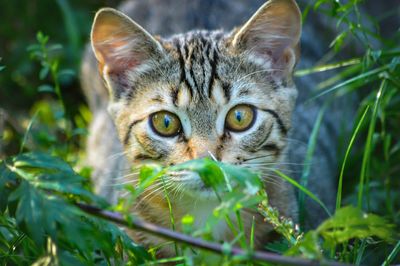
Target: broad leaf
[[350, 222]]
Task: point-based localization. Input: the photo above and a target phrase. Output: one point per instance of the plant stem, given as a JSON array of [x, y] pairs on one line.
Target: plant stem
[[57, 87], [199, 243]]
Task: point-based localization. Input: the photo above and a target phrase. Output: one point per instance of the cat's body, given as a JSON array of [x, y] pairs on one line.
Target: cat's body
[[200, 76]]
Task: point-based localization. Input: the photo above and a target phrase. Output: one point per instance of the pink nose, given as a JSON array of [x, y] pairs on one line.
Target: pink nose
[[201, 148], [201, 153]]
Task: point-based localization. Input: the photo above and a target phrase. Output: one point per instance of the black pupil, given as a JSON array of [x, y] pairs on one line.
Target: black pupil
[[238, 115], [167, 121]]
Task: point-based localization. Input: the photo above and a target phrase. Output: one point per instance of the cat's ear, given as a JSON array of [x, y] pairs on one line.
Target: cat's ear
[[119, 43], [272, 34]]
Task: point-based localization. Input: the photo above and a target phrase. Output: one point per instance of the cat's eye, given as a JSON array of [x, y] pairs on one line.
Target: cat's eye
[[165, 123], [240, 118]]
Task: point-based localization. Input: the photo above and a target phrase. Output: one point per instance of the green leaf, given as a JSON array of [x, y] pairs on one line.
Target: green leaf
[[376, 55], [308, 247], [67, 184], [350, 222], [226, 248], [79, 131], [66, 258], [187, 223], [30, 210], [41, 161], [41, 38], [148, 173], [216, 174], [394, 63], [337, 43], [42, 75], [45, 88], [246, 178], [33, 47], [208, 170], [54, 47], [50, 173], [8, 180], [235, 201], [66, 72], [40, 215]]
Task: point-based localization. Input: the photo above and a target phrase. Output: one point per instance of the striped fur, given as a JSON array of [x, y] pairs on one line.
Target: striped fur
[[200, 76]]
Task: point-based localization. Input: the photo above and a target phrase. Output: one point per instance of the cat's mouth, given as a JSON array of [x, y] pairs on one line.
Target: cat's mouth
[[190, 184]]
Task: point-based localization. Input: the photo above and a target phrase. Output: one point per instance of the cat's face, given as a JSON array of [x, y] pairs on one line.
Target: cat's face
[[199, 94]]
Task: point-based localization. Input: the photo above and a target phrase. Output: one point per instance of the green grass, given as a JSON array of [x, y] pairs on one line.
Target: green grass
[[346, 156], [306, 169], [364, 175], [42, 178]]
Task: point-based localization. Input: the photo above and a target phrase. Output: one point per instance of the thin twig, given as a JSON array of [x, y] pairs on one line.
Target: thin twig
[[199, 243]]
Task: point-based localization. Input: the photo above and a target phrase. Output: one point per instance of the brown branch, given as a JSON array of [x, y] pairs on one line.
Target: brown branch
[[199, 243]]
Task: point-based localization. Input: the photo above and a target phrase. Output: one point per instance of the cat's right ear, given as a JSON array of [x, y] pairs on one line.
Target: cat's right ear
[[272, 35], [120, 44]]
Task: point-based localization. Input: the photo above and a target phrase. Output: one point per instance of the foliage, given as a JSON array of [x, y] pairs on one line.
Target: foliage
[[40, 224], [347, 224], [40, 191], [375, 74]]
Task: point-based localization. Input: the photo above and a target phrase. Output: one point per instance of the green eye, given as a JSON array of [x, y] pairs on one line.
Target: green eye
[[240, 118], [165, 124]]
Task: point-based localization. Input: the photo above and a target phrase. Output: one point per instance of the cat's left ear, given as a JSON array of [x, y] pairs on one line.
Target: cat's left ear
[[121, 44], [272, 35]]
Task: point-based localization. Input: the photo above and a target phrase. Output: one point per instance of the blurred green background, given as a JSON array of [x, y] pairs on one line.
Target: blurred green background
[[66, 22]]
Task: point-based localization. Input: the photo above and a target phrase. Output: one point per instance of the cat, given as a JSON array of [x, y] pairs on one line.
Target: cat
[[229, 95]]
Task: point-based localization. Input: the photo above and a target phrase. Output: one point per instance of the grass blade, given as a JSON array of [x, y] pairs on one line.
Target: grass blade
[[323, 68], [392, 255], [304, 190], [28, 130], [171, 215], [349, 72], [307, 162], [360, 252], [368, 146], [252, 234], [352, 80], [353, 137]]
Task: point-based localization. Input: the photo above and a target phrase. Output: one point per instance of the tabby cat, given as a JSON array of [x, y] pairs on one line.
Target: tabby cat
[[227, 95]]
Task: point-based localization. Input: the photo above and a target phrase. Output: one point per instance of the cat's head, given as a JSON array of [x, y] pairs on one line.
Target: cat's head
[[224, 95]]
